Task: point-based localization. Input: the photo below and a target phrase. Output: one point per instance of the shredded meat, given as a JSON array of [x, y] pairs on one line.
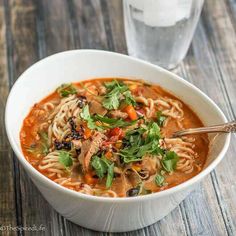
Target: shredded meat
[[89, 148], [120, 185], [102, 90], [118, 114], [97, 108], [149, 164]]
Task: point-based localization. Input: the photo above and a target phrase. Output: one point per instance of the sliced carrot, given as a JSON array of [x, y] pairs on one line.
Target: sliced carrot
[[88, 177], [118, 144], [136, 167], [131, 112], [87, 133], [108, 155]]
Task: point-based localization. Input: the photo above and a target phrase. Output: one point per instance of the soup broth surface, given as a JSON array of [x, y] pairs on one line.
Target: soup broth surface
[[113, 137]]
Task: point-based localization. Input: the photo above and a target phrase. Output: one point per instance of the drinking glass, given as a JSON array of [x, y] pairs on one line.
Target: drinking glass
[[160, 31]]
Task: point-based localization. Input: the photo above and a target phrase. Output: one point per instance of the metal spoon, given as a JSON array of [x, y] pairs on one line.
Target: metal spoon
[[229, 127]]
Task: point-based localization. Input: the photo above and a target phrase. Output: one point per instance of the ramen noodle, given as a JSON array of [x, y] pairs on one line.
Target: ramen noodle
[[113, 138]]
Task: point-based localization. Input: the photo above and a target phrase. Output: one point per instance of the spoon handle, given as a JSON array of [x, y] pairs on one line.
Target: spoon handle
[[229, 127]]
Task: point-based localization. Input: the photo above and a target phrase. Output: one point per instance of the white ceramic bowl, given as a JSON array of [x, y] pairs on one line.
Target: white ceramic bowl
[[100, 213]]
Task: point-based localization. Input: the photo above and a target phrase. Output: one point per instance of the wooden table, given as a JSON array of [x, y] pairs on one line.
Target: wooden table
[[31, 30]]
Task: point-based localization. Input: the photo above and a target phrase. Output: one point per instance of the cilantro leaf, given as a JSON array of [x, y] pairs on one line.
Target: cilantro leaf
[[85, 115], [169, 161], [141, 141], [160, 118], [112, 123], [99, 166], [65, 158], [129, 99], [110, 175], [111, 101], [116, 92], [159, 180], [102, 166], [66, 89], [153, 132]]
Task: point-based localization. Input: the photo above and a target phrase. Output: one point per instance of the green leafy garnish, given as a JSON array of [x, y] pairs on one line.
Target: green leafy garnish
[[169, 161], [141, 141], [114, 96], [160, 118], [129, 99], [106, 122], [85, 115], [44, 147], [159, 180], [102, 166], [112, 123], [66, 89], [110, 175], [65, 159], [99, 166], [111, 101]]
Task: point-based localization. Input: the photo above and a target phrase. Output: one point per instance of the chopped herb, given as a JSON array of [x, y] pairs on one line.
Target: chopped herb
[[111, 101], [66, 89], [110, 175], [87, 117], [99, 166], [129, 99], [141, 141], [159, 180], [102, 166], [112, 123], [169, 161], [160, 118], [44, 147], [153, 132], [109, 123], [114, 96], [65, 158]]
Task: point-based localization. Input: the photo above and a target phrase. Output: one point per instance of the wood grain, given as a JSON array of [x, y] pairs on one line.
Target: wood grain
[[7, 189]]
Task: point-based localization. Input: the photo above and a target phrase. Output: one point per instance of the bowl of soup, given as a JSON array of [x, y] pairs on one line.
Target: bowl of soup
[[94, 131]]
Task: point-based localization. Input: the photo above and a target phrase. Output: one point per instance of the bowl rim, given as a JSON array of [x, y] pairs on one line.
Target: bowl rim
[[51, 184]]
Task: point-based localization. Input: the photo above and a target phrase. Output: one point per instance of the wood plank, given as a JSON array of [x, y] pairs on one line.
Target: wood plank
[[115, 13], [89, 16], [207, 77], [222, 40], [7, 190], [57, 26], [32, 209]]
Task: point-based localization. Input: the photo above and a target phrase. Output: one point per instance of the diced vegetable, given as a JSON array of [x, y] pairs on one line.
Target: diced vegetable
[[87, 133], [131, 112], [89, 179], [108, 155], [116, 132]]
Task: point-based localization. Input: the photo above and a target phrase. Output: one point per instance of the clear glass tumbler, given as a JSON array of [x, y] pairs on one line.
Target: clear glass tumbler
[[160, 31]]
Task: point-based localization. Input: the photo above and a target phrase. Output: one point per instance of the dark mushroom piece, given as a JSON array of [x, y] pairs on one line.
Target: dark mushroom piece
[[133, 192]]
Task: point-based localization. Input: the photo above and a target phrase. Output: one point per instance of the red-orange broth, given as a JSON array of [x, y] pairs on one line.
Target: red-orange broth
[[76, 148]]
